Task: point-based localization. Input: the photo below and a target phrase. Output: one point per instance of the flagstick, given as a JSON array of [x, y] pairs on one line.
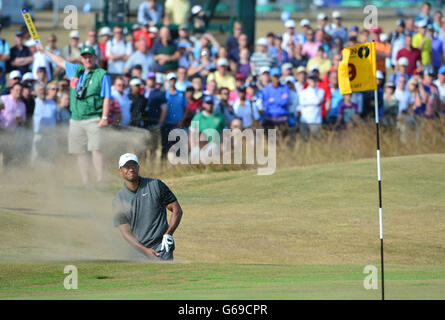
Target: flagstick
[[380, 189]]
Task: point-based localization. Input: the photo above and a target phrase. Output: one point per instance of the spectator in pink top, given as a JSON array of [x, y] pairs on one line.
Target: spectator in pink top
[[311, 46], [13, 110]]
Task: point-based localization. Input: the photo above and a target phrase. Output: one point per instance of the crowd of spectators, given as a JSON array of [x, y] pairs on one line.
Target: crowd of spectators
[[162, 80]]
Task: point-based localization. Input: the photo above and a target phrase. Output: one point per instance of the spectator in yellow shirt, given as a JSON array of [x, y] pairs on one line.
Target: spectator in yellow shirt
[[319, 61], [221, 76], [423, 43], [177, 12]]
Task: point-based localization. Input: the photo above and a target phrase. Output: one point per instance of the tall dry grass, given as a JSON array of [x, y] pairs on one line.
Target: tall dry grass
[[332, 146]]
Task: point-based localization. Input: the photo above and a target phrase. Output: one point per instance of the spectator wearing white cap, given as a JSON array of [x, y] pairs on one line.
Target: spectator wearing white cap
[[401, 69], [423, 43], [397, 39], [20, 56], [337, 29], [221, 75], [150, 13], [71, 52], [198, 19], [322, 22], [105, 35], [14, 77], [264, 78], [261, 57], [176, 12], [40, 60], [290, 34], [390, 105]]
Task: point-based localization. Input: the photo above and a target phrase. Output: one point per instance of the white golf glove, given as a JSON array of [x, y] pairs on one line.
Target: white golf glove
[[167, 242]]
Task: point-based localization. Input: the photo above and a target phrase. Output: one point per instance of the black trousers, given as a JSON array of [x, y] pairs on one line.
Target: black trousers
[[166, 145]]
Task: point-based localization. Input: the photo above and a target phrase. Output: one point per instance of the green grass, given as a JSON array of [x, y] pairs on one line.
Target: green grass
[[302, 233], [119, 280]]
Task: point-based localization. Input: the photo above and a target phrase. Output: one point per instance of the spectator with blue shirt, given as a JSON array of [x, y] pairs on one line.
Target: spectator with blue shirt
[[176, 104], [4, 57], [90, 95], [150, 12], [44, 144], [275, 102]]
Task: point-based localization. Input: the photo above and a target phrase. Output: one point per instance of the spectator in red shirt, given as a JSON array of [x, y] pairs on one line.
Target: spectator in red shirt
[[193, 105], [412, 54], [144, 32], [326, 104]]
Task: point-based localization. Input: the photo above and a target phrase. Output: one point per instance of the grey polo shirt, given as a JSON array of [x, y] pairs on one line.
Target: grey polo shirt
[[144, 210]]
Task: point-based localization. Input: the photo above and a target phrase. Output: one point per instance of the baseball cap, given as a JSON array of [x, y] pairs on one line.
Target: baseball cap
[[135, 82], [27, 76], [207, 99], [336, 14], [135, 27], [275, 71], [390, 84], [403, 61], [15, 74], [400, 22], [305, 22], [153, 29], [88, 49], [286, 66], [74, 34], [428, 71], [289, 23], [196, 9], [261, 42], [105, 31], [314, 68], [183, 27], [376, 30], [222, 62], [313, 76], [300, 69], [322, 16], [171, 76], [19, 33], [264, 69], [240, 76], [383, 37], [289, 79], [421, 23], [353, 28], [441, 70], [379, 75], [151, 75], [127, 157]]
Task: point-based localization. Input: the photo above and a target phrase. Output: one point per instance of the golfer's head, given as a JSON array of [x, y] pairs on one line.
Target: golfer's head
[[129, 167], [88, 57]]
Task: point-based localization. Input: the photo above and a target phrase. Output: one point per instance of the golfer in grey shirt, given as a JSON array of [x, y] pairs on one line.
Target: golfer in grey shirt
[[139, 211]]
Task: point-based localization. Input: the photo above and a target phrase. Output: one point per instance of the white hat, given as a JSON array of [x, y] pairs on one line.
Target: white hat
[[305, 22], [379, 75], [171, 75], [336, 14], [322, 16], [403, 61], [127, 157], [286, 66], [314, 67], [30, 43], [15, 74], [74, 34], [383, 37], [196, 9], [262, 42], [289, 79], [135, 82], [289, 24], [105, 31], [300, 69], [421, 23], [264, 69], [153, 29], [27, 76], [222, 62]]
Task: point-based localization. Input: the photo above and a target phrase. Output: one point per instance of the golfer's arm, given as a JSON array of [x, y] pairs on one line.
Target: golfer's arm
[[175, 218], [129, 237]]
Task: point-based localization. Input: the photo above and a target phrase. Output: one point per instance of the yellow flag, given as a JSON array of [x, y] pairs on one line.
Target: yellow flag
[[31, 28], [357, 68]]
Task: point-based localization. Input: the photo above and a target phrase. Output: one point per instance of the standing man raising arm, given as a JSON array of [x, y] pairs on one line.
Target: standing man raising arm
[[90, 93]]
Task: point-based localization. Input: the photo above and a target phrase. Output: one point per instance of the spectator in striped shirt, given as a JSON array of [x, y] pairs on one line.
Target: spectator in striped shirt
[[262, 58]]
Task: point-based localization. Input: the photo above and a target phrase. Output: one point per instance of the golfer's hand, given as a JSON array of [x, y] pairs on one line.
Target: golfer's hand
[[151, 253], [102, 123], [167, 242]]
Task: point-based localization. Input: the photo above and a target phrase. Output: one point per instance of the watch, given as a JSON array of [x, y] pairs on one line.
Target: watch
[[104, 118]]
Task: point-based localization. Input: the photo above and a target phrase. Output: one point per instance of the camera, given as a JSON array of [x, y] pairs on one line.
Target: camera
[[80, 94]]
